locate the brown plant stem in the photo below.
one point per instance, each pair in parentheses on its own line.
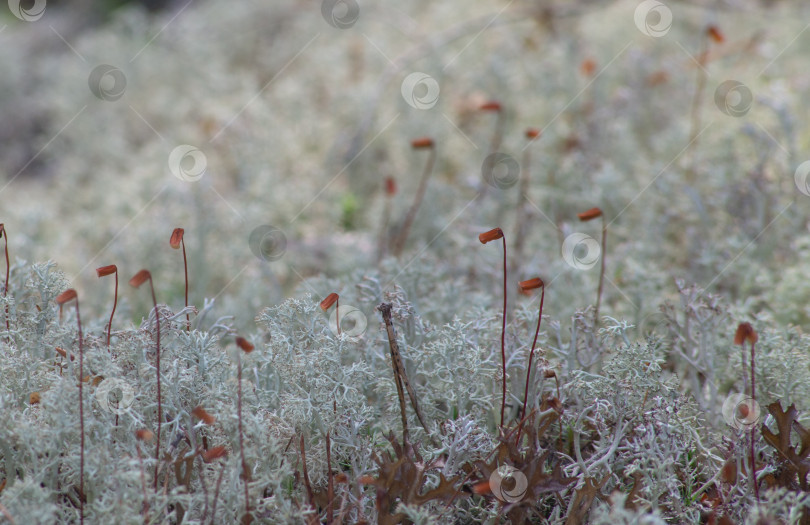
(64,297)
(493,235)
(102,272)
(330,490)
(307,484)
(383,241)
(753,427)
(216,494)
(601,273)
(521,213)
(177,240)
(145,505)
(399,372)
(503,334)
(136,281)
(4,235)
(185,272)
(531,355)
(245,473)
(402,238)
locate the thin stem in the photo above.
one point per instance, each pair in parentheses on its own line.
(399,373)
(81,414)
(531,355)
(383,242)
(753,427)
(185,270)
(497,135)
(307,484)
(115,304)
(700,85)
(330,490)
(601,273)
(503,334)
(417,202)
(216,494)
(157,365)
(337,314)
(204,487)
(241,434)
(4,234)
(145,509)
(521,215)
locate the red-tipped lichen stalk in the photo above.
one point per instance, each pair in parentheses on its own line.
(521,213)
(64,297)
(4,235)
(497,135)
(383,242)
(143,435)
(525,286)
(486,237)
(247,347)
(420,143)
(746,333)
(176,241)
(589,215)
(137,280)
(103,272)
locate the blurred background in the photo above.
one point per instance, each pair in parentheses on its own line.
(268,131)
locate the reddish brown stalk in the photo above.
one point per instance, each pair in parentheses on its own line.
(176,241)
(247,347)
(330,489)
(521,214)
(420,143)
(307,484)
(497,136)
(331,299)
(382,242)
(486,237)
(4,235)
(103,272)
(216,493)
(137,280)
(400,377)
(64,297)
(525,286)
(143,435)
(589,215)
(746,333)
